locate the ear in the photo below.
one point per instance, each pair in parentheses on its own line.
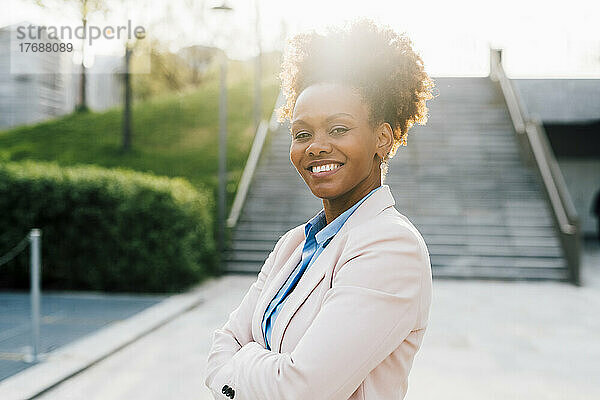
(385,139)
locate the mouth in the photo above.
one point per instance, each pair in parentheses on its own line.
(324,170)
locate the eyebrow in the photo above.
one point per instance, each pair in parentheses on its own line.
(331,117)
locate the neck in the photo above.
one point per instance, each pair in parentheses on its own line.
(335,207)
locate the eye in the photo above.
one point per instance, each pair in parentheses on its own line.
(299,134)
(340,129)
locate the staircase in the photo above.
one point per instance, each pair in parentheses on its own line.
(460,180)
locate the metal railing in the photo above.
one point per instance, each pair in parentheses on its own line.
(251,164)
(537,151)
(34,239)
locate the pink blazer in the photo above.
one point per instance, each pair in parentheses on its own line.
(350,328)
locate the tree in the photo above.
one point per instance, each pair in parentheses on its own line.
(84,9)
(126,146)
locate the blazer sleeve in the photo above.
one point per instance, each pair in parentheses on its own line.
(377,298)
(237,331)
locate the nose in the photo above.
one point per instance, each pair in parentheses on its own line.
(319,146)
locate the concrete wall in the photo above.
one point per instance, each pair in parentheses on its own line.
(561,100)
(569,101)
(583,181)
(27,98)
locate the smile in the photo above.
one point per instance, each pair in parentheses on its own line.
(324,170)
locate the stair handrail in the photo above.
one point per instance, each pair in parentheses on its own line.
(251,163)
(534,141)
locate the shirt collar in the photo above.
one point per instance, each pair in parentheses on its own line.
(318,221)
(325,231)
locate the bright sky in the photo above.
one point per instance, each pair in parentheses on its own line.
(541,40)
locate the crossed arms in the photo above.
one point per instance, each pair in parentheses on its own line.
(374,303)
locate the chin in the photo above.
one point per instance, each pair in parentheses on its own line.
(324,191)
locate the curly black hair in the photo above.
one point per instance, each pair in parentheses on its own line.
(376,60)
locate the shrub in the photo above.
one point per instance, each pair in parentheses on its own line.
(105,229)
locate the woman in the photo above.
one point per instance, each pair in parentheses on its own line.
(341,304)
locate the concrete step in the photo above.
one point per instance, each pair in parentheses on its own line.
(254,233)
(543,253)
(434,240)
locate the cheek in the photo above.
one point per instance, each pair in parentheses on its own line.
(295,154)
(361,153)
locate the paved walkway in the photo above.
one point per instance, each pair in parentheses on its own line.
(486,340)
(65,317)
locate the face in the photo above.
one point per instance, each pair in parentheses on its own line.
(330,125)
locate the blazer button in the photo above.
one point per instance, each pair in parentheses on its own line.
(225,389)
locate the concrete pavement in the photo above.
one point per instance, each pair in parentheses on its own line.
(165,364)
(64,318)
(486,340)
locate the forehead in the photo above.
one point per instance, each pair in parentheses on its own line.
(319,101)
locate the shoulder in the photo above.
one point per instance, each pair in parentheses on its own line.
(295,234)
(388,249)
(387,254)
(388,226)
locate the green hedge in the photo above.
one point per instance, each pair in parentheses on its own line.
(105,229)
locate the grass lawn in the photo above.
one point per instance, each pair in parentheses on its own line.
(173,135)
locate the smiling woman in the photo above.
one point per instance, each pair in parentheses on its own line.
(378,63)
(340,306)
(343,143)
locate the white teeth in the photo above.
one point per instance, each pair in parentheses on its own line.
(327,167)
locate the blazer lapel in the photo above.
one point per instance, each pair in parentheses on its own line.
(307,283)
(376,203)
(271,289)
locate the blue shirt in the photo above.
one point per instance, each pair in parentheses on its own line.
(318,234)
